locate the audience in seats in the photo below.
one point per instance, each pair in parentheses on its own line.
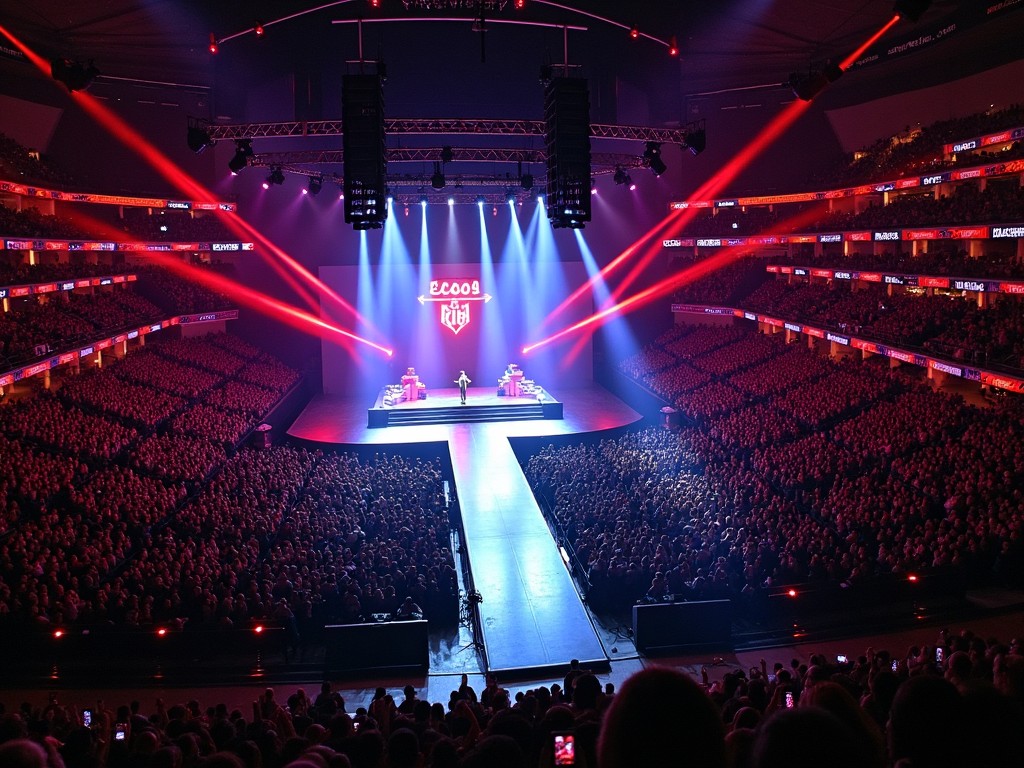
(966,710)
(839,475)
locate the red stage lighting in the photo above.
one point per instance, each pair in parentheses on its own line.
(258,629)
(634,32)
(161,632)
(673,46)
(520,4)
(375,3)
(184,182)
(213,44)
(259,30)
(58,633)
(791,592)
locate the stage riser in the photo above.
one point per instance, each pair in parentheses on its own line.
(465,414)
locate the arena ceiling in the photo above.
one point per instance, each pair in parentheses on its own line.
(723,44)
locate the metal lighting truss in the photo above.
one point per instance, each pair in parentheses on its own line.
(411,126)
(431,154)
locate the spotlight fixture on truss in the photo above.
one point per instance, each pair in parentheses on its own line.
(437,179)
(198,138)
(276,177)
(652,158)
(75,75)
(243,151)
(696,139)
(316,183)
(621,177)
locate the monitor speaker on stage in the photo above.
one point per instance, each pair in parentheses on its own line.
(363,141)
(567,143)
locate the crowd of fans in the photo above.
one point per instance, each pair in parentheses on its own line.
(821,470)
(919,151)
(130,505)
(15,271)
(58,320)
(103,461)
(19,165)
(955,700)
(175,226)
(948,324)
(1000,202)
(939,261)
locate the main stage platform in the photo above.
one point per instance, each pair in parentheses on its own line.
(531,618)
(444,406)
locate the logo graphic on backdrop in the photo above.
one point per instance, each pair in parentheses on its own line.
(455,295)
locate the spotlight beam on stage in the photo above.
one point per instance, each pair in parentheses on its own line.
(666,286)
(261,302)
(672,224)
(189,186)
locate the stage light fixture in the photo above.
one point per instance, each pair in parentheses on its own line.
(652,156)
(480,201)
(198,139)
(451,202)
(446,154)
(510,197)
(806,86)
(520,4)
(243,151)
(374,3)
(316,183)
(437,180)
(632,186)
(423,202)
(621,177)
(696,141)
(526,181)
(276,177)
(673,46)
(912,10)
(259,30)
(75,75)
(634,32)
(212,47)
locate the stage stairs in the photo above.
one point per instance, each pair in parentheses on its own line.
(462,414)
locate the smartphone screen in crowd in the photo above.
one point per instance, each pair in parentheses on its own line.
(564,747)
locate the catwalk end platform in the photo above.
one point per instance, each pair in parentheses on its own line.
(532,619)
(444,406)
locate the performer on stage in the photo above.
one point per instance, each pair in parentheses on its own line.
(463,381)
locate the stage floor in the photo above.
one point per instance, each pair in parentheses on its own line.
(341,419)
(445,398)
(531,617)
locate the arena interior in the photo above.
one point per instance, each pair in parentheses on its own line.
(511,383)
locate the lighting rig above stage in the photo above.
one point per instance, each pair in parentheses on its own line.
(411,188)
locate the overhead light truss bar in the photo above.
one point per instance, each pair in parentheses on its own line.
(412,126)
(431,154)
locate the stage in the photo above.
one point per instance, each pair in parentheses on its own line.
(444,406)
(531,617)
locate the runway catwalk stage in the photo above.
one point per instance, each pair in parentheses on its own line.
(531,616)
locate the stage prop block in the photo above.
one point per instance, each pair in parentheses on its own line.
(672,627)
(384,645)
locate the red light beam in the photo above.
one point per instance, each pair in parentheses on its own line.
(188,185)
(669,284)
